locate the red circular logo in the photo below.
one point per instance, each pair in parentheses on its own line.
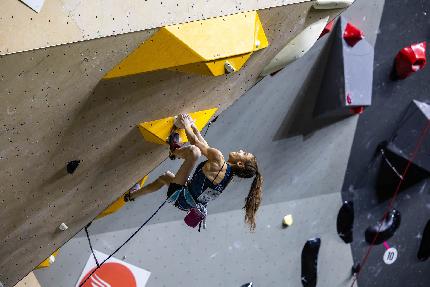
(110,275)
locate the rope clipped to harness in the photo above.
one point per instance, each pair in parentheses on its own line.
(197,214)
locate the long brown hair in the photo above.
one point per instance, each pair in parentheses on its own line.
(253,200)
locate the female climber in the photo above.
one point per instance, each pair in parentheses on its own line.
(210,178)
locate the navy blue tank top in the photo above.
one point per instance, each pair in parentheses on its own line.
(201,188)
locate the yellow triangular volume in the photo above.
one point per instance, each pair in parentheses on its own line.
(158,131)
(48,261)
(161,51)
(218,37)
(196,42)
(261,41)
(119,203)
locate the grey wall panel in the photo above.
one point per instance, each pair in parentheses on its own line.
(225,254)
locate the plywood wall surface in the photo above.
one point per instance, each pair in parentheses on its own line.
(55,108)
(68,21)
(29,281)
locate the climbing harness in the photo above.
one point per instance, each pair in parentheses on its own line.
(198,212)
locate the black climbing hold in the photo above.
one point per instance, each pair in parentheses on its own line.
(389,175)
(345,221)
(72,166)
(424,251)
(386,228)
(310,262)
(396,154)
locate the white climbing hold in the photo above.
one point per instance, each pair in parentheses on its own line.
(288,220)
(63,227)
(297,47)
(332,4)
(229,67)
(51,259)
(36,5)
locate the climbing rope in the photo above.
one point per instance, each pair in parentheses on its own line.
(91,247)
(209,125)
(121,246)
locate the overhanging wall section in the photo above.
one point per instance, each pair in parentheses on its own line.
(56,109)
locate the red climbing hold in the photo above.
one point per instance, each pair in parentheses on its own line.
(352,34)
(357,110)
(327,28)
(410,59)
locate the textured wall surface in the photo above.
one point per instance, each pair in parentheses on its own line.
(68,21)
(303,176)
(56,109)
(403,23)
(28,281)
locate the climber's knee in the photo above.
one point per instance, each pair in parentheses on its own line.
(167,177)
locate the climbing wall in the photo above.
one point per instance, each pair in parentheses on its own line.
(402,24)
(68,21)
(57,109)
(303,177)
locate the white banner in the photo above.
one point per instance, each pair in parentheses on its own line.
(114,273)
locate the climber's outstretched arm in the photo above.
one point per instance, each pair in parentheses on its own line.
(195,138)
(198,134)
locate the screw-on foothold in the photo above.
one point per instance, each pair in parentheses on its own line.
(229,67)
(288,220)
(257,43)
(63,227)
(124,257)
(51,259)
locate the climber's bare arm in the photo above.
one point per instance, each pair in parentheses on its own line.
(195,138)
(198,134)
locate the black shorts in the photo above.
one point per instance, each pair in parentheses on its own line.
(180,203)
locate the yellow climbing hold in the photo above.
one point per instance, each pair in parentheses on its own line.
(48,261)
(158,131)
(119,203)
(200,46)
(288,220)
